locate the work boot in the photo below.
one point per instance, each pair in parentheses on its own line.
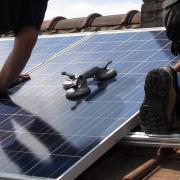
(158,108)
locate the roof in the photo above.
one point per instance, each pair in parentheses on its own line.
(93,22)
(133,162)
(150,16)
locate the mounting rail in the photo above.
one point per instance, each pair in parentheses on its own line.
(151,140)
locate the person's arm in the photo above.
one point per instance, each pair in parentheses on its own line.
(23,45)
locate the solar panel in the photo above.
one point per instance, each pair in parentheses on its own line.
(45,48)
(45,135)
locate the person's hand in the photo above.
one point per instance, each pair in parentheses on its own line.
(20,79)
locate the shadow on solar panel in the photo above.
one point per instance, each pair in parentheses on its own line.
(26,154)
(96,92)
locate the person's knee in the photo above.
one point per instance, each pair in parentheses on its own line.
(177,66)
(27,38)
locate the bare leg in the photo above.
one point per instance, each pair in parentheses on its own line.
(177,67)
(23,45)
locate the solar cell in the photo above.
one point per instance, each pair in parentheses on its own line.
(45,135)
(46,47)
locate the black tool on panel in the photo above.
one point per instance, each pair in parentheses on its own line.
(77,87)
(104,73)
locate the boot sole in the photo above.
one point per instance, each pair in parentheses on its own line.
(159,102)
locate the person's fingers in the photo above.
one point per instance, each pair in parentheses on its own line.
(24,76)
(21,78)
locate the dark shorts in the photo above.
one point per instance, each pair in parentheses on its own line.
(16,14)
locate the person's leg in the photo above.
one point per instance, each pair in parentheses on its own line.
(23,45)
(177,67)
(158,108)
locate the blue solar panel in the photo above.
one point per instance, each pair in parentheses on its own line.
(45,48)
(45,135)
